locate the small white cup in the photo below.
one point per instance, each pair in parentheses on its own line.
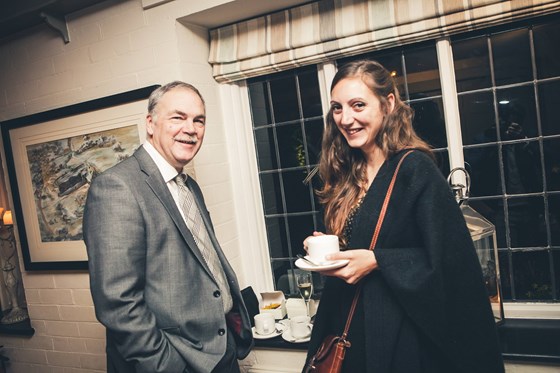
(265,323)
(320,246)
(300,327)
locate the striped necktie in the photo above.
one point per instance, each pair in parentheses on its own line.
(200,234)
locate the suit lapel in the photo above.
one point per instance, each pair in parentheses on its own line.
(157,184)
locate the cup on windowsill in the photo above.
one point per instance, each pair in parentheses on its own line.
(300,327)
(265,323)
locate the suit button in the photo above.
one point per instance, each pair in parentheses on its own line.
(221,332)
(217,294)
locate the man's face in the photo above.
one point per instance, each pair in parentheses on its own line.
(176,129)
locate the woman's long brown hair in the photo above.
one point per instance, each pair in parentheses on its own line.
(342,168)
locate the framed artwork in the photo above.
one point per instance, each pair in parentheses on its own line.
(52,157)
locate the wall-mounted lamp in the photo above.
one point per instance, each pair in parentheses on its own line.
(11,276)
(7,217)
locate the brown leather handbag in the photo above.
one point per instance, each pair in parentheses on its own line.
(330,355)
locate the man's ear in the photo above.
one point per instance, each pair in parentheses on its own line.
(150,124)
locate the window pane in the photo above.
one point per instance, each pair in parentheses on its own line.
(442,161)
(493,210)
(484,170)
(526,222)
(392,61)
(298,195)
(505,279)
(531,272)
(266,151)
(478,124)
(310,100)
(546,40)
(272,198)
(549,102)
(472,64)
(283,276)
(300,228)
(422,72)
(313,138)
(512,57)
(517,105)
(522,168)
(290,145)
(556,256)
(284,98)
(277,237)
(554,219)
(552,163)
(429,123)
(260,108)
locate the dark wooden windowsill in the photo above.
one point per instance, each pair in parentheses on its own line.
(21,328)
(529,340)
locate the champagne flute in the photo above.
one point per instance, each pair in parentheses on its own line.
(305,286)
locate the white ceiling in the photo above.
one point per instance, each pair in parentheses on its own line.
(238,10)
(20,15)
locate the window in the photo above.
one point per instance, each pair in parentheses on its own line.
(287,128)
(507,83)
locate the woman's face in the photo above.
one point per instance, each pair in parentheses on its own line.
(358,112)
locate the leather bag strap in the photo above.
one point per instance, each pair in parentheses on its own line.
(374,242)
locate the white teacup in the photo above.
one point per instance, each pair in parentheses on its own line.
(320,246)
(265,323)
(300,327)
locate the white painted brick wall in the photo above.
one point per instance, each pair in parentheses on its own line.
(114,48)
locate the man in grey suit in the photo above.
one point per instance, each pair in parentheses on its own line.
(160,282)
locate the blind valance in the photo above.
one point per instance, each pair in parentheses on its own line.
(330,29)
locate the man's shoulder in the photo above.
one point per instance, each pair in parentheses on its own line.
(130,165)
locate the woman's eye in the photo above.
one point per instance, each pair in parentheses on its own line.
(336,109)
(359,105)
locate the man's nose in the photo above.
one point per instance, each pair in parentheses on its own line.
(188,126)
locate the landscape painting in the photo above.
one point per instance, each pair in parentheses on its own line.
(61,172)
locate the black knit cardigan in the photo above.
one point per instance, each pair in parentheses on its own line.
(428,272)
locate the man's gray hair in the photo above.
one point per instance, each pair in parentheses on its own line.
(158,93)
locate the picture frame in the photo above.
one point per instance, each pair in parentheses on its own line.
(51,157)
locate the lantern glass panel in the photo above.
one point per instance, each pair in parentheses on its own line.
(483,234)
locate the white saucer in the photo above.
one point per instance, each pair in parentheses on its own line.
(279,329)
(302,264)
(287,336)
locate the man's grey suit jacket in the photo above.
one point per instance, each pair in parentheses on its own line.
(150,284)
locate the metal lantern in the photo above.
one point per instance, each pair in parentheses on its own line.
(483,234)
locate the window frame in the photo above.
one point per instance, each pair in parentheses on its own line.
(246,186)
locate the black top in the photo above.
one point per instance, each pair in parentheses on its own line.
(426,308)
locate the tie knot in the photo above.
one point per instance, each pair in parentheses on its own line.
(181,179)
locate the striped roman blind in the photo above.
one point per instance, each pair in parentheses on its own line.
(329,29)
